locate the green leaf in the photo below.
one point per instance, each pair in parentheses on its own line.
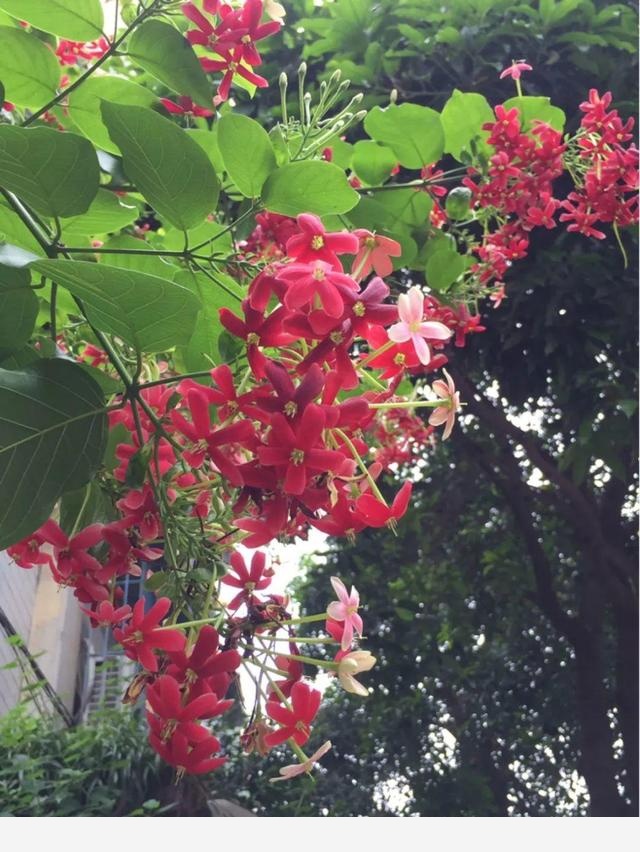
(55,173)
(13,230)
(171,170)
(162,51)
(372,162)
(448,35)
(247,152)
(107,213)
(53,431)
(18,309)
(462,119)
(84,506)
(147,262)
(150,313)
(413,132)
(443,268)
(208,141)
(309,187)
(78,20)
(537,109)
(203,347)
(84,106)
(406,207)
(28,68)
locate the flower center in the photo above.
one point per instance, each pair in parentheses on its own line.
(297,457)
(318,274)
(291,408)
(317,243)
(359,309)
(253,339)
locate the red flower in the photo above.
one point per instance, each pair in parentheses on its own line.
(139,508)
(104,615)
(71,553)
(315,281)
(312,242)
(248,581)
(185,106)
(175,713)
(143,634)
(296,721)
(295,451)
(376,514)
(194,758)
(206,668)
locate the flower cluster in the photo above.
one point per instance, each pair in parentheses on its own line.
(607,186)
(231,35)
(69,52)
(248,456)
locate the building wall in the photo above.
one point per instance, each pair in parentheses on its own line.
(49,620)
(18,588)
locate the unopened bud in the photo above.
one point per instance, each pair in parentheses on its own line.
(393,97)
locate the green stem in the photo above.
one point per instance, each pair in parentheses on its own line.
(431,403)
(323,664)
(361,465)
(198,374)
(372,355)
(226,230)
(616,231)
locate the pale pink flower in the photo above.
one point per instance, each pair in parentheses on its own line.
(352,664)
(446,413)
(375,253)
(288,772)
(275,11)
(515,70)
(411,326)
(345,609)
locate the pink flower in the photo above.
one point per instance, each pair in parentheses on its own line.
(515,70)
(411,327)
(288,772)
(375,253)
(445,413)
(345,609)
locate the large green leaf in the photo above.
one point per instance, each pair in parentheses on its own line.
(108,213)
(79,20)
(18,309)
(462,119)
(162,51)
(84,106)
(202,347)
(247,152)
(537,109)
(52,437)
(443,268)
(13,230)
(414,133)
(171,170)
(148,312)
(372,162)
(55,173)
(29,70)
(147,262)
(308,187)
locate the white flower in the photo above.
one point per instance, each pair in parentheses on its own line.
(351,664)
